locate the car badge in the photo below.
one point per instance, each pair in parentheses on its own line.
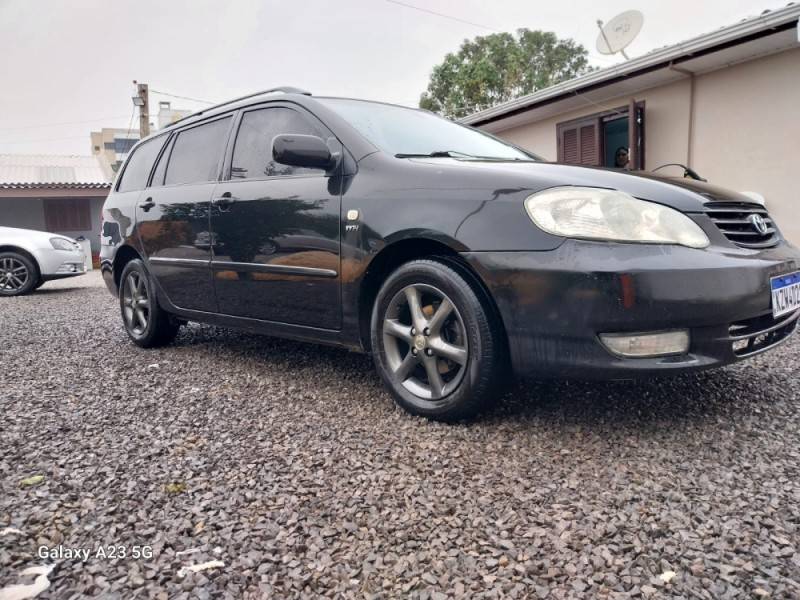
(759,223)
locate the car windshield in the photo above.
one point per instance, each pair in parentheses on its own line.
(407,132)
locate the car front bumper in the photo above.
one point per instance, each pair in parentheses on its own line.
(555,304)
(54,264)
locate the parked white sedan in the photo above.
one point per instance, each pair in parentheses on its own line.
(28,258)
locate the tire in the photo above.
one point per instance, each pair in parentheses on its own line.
(452,369)
(146,323)
(18,274)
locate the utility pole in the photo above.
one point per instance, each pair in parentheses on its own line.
(144,109)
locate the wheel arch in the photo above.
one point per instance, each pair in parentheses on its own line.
(27,254)
(404,250)
(122,257)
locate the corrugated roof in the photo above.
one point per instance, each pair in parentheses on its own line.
(51,171)
(767,20)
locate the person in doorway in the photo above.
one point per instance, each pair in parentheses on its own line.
(621,157)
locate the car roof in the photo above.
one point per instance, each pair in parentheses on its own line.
(287,93)
(353,140)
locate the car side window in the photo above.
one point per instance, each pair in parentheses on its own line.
(134,176)
(196,153)
(252,152)
(161,165)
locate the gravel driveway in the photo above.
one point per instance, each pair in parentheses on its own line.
(289,464)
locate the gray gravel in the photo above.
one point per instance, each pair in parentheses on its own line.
(290,464)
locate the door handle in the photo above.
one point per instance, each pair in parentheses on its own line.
(224,201)
(147,204)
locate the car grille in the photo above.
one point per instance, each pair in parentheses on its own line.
(756,335)
(736,221)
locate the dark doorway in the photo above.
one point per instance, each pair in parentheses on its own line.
(615,136)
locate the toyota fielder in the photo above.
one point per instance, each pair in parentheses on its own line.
(449,255)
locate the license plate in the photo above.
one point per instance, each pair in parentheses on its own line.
(785,294)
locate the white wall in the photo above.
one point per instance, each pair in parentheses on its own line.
(747,132)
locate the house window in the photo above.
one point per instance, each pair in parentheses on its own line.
(579,143)
(596,140)
(124,145)
(67,214)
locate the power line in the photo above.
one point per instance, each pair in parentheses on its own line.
(444,16)
(486,27)
(130,123)
(60,124)
(73,137)
(181,97)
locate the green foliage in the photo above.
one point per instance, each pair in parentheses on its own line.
(499,67)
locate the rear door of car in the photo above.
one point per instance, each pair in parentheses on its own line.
(119,210)
(276,227)
(173,214)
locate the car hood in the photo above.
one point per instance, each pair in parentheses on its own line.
(686,195)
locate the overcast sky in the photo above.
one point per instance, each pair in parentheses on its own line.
(67,66)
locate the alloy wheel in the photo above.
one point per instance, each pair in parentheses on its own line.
(136,303)
(425,342)
(13,274)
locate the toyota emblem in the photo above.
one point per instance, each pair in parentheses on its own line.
(759,223)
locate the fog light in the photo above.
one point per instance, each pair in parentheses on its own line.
(647,345)
(740,345)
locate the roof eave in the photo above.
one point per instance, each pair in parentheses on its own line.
(673,53)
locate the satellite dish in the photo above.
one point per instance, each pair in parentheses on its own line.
(619,32)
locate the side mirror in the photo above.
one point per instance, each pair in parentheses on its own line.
(302,151)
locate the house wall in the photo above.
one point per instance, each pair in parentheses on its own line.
(24,213)
(28,213)
(746,130)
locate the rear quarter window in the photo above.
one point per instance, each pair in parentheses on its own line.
(134,176)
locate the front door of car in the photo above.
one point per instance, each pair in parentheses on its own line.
(173,214)
(276,227)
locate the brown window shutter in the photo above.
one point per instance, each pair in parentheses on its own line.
(569,146)
(590,152)
(50,215)
(579,142)
(67,214)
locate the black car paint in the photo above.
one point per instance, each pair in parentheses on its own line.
(554,295)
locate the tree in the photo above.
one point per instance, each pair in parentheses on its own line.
(499,67)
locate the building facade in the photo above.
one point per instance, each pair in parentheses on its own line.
(59,194)
(726,104)
(168,115)
(111,146)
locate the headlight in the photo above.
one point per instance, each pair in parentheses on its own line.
(62,244)
(598,214)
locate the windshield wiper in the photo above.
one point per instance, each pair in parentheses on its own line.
(456,154)
(505,158)
(435,154)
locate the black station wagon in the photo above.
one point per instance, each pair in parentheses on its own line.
(454,258)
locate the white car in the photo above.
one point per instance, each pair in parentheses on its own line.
(28,258)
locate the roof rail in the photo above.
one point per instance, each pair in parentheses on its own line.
(285,89)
